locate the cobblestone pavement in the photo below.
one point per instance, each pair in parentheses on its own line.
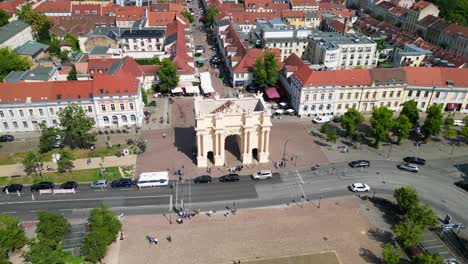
(159,113)
(338,225)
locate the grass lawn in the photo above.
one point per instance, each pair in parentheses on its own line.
(89,175)
(101,151)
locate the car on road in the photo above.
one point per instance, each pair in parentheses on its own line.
(359,187)
(262,175)
(15,187)
(6,138)
(415,160)
(408,167)
(203,179)
(360,163)
(99,184)
(322,119)
(230,178)
(124,182)
(462,184)
(69,185)
(42,186)
(152,104)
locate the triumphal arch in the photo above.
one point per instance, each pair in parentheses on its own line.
(245,117)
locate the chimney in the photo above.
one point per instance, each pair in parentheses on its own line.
(345,26)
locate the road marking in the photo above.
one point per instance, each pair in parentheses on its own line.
(87,199)
(12,212)
(439,246)
(300,177)
(447,201)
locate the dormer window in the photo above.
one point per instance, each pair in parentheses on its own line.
(101,91)
(59,97)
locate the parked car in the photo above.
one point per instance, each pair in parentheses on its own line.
(359,187)
(203,179)
(462,184)
(69,185)
(152,104)
(42,186)
(359,163)
(262,175)
(6,138)
(322,119)
(124,182)
(58,141)
(408,167)
(15,187)
(230,178)
(458,122)
(99,184)
(415,160)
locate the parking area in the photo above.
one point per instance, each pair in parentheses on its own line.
(433,245)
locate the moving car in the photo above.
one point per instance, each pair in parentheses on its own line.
(230,178)
(6,138)
(203,179)
(323,119)
(124,182)
(415,160)
(99,184)
(41,186)
(462,184)
(262,175)
(408,167)
(359,187)
(69,185)
(15,187)
(359,163)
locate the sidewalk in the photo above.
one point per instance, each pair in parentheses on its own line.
(80,164)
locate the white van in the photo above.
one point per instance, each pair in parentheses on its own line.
(153,179)
(323,119)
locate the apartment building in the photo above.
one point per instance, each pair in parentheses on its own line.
(142,43)
(342,51)
(418,11)
(305,5)
(455,36)
(15,34)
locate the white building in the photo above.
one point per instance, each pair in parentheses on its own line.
(142,43)
(15,34)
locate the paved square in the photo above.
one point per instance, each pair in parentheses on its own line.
(339,226)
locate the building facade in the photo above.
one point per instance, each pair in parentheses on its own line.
(15,34)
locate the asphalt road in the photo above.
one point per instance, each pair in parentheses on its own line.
(434,183)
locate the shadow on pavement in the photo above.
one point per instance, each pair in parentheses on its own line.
(389,210)
(184,140)
(380,235)
(368,256)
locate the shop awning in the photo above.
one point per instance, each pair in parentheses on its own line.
(205,83)
(272,93)
(452,106)
(177,90)
(279,111)
(200,59)
(192,89)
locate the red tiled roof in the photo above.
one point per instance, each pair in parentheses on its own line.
(99,64)
(149,70)
(248,60)
(79,25)
(418,6)
(244,17)
(454,29)
(279,6)
(255,4)
(58,7)
(180,57)
(129,13)
(436,76)
(399,11)
(176,7)
(8,8)
(86,9)
(160,18)
(118,84)
(292,14)
(303,3)
(337,25)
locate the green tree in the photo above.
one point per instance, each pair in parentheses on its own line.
(72,74)
(423,215)
(271,67)
(54,45)
(12,235)
(3,18)
(45,252)
(211,13)
(4,257)
(331,135)
(465,120)
(407,198)
(48,138)
(74,41)
(76,126)
(188,15)
(428,259)
(379,17)
(32,161)
(10,61)
(325,128)
(52,226)
(350,121)
(391,254)
(39,22)
(381,122)
(260,73)
(168,77)
(144,96)
(154,61)
(401,127)
(433,123)
(409,233)
(65,163)
(450,131)
(93,247)
(410,109)
(464,132)
(23,11)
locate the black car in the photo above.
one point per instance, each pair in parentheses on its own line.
(415,160)
(6,138)
(42,186)
(359,163)
(124,182)
(230,178)
(69,185)
(152,103)
(462,184)
(15,187)
(203,179)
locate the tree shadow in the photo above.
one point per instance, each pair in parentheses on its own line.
(380,235)
(463,168)
(320,143)
(369,257)
(184,141)
(389,210)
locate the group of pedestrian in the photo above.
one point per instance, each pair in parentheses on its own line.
(154,239)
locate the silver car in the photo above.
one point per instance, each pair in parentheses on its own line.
(99,184)
(262,175)
(408,167)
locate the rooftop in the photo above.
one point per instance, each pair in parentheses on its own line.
(11,29)
(39,73)
(31,48)
(143,33)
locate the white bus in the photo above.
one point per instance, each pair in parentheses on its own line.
(153,179)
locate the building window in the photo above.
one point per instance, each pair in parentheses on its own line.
(381,104)
(341,96)
(314,97)
(112,107)
(51,110)
(423,104)
(338,107)
(346,106)
(41,112)
(348,96)
(391,94)
(410,93)
(367,95)
(31,112)
(115,120)
(312,108)
(426,94)
(374,95)
(90,109)
(437,95)
(1,114)
(5,125)
(330,96)
(364,106)
(15,124)
(389,104)
(356,95)
(122,107)
(103,108)
(131,106)
(21,113)
(328,106)
(106,119)
(354,105)
(322,97)
(305,108)
(54,121)
(418,93)
(395,104)
(398,94)
(11,113)
(133,118)
(25,124)
(320,107)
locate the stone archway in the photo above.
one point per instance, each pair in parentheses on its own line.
(247,119)
(232,149)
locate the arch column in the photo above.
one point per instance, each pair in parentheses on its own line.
(219,149)
(247,157)
(264,146)
(202,159)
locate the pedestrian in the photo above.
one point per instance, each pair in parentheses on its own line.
(169,238)
(164,135)
(121,236)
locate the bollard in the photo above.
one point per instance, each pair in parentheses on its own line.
(19,195)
